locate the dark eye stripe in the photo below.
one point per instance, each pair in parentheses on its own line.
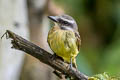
(64,22)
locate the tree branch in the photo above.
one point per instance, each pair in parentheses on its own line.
(21,44)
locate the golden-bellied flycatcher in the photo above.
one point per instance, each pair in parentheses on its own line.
(64,39)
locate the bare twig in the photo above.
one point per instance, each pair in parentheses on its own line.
(22,44)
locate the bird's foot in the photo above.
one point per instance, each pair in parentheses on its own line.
(55,57)
(70,66)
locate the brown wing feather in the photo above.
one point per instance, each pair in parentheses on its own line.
(78,40)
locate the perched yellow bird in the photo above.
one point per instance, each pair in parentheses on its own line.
(64,39)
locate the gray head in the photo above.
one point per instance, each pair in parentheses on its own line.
(65,22)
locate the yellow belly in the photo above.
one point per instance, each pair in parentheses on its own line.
(63,43)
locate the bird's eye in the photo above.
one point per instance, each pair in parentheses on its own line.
(65,22)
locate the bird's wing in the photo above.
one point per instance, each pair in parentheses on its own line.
(78,42)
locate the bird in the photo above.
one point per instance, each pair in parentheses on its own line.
(64,39)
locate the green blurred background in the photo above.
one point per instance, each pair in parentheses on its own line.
(99,27)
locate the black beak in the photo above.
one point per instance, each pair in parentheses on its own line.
(53,18)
